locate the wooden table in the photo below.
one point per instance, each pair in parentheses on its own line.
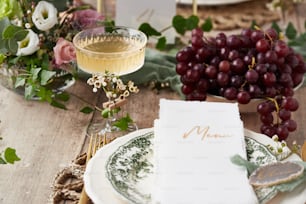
(47,138)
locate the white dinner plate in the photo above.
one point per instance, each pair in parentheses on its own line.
(122,171)
(211,2)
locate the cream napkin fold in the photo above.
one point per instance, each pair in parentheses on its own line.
(193,145)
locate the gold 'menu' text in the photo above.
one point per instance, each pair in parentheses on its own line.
(203,132)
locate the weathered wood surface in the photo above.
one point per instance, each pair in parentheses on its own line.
(47,138)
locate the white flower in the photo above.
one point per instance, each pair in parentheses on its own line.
(27,25)
(126,93)
(90,81)
(44,16)
(28,45)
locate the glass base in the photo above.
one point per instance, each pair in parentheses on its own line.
(109,128)
(106,128)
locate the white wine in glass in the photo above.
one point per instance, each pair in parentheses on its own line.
(118,50)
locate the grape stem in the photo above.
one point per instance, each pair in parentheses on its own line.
(251,66)
(276,106)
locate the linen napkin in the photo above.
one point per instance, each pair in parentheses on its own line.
(193,145)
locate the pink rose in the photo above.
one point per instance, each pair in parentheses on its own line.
(87,18)
(64,52)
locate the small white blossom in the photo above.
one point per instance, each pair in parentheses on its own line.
(126,93)
(112,85)
(130,83)
(98,84)
(121,87)
(275,138)
(133,89)
(109,94)
(28,45)
(27,26)
(44,16)
(104,84)
(90,81)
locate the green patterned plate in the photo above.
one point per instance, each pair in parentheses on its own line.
(122,171)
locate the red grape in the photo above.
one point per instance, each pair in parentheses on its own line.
(243,97)
(253,64)
(262,45)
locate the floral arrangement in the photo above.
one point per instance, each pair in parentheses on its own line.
(36,45)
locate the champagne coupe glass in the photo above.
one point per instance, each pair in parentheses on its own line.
(117,50)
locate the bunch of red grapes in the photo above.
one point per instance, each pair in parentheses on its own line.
(251,65)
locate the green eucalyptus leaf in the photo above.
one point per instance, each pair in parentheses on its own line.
(207,25)
(45,62)
(291,31)
(10,31)
(34,73)
(179,24)
(3,49)
(20,81)
(4,23)
(46,76)
(2,161)
(12,45)
(20,35)
(149,30)
(238,160)
(62,96)
(58,105)
(161,43)
(14,60)
(192,22)
(10,155)
(87,110)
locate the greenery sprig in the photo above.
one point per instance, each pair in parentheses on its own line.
(180,24)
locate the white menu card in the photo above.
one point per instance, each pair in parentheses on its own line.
(194,142)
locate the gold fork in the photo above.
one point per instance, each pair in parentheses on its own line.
(96,141)
(303,151)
